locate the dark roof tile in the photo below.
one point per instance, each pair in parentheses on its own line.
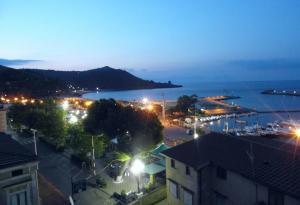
(12,153)
(276,165)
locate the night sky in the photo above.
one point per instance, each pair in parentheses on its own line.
(157,39)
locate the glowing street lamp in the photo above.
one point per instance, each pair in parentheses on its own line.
(73,119)
(150,107)
(145,101)
(297,132)
(65,105)
(137,168)
(196,135)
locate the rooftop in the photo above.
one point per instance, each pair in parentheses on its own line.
(276,165)
(12,153)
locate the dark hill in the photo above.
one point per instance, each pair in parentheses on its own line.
(48,81)
(24,82)
(103,78)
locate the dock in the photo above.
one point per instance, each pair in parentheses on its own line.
(281,92)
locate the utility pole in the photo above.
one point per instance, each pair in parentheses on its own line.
(226,127)
(93,157)
(34,131)
(164,107)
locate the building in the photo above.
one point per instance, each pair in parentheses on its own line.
(3,123)
(218,169)
(18,174)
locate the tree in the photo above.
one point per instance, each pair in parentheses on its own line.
(135,129)
(185,102)
(81,142)
(48,118)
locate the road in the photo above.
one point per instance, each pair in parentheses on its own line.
(58,169)
(55,166)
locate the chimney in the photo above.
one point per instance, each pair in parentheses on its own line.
(3,122)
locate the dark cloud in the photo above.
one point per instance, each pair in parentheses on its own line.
(8,62)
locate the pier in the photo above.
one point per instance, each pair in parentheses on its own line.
(281,92)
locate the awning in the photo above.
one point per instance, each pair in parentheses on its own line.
(153,168)
(157,151)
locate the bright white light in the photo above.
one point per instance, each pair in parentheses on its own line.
(77,112)
(145,100)
(84,116)
(137,167)
(297,132)
(196,135)
(73,119)
(65,105)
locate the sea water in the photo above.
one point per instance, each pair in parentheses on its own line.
(249,93)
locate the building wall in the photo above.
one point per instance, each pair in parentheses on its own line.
(244,191)
(178,174)
(27,182)
(235,188)
(3,123)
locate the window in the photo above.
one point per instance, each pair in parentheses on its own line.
(220,199)
(187,197)
(17,172)
(173,163)
(221,173)
(276,198)
(174,189)
(18,198)
(187,170)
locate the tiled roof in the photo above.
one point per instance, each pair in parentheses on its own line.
(12,153)
(276,165)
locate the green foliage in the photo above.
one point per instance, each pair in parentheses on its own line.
(48,118)
(185,102)
(135,129)
(81,142)
(122,157)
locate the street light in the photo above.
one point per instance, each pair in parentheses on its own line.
(145,101)
(196,135)
(136,168)
(297,132)
(73,119)
(34,131)
(65,105)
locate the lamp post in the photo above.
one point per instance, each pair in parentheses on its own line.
(136,168)
(34,140)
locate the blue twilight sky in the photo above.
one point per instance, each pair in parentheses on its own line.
(155,39)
